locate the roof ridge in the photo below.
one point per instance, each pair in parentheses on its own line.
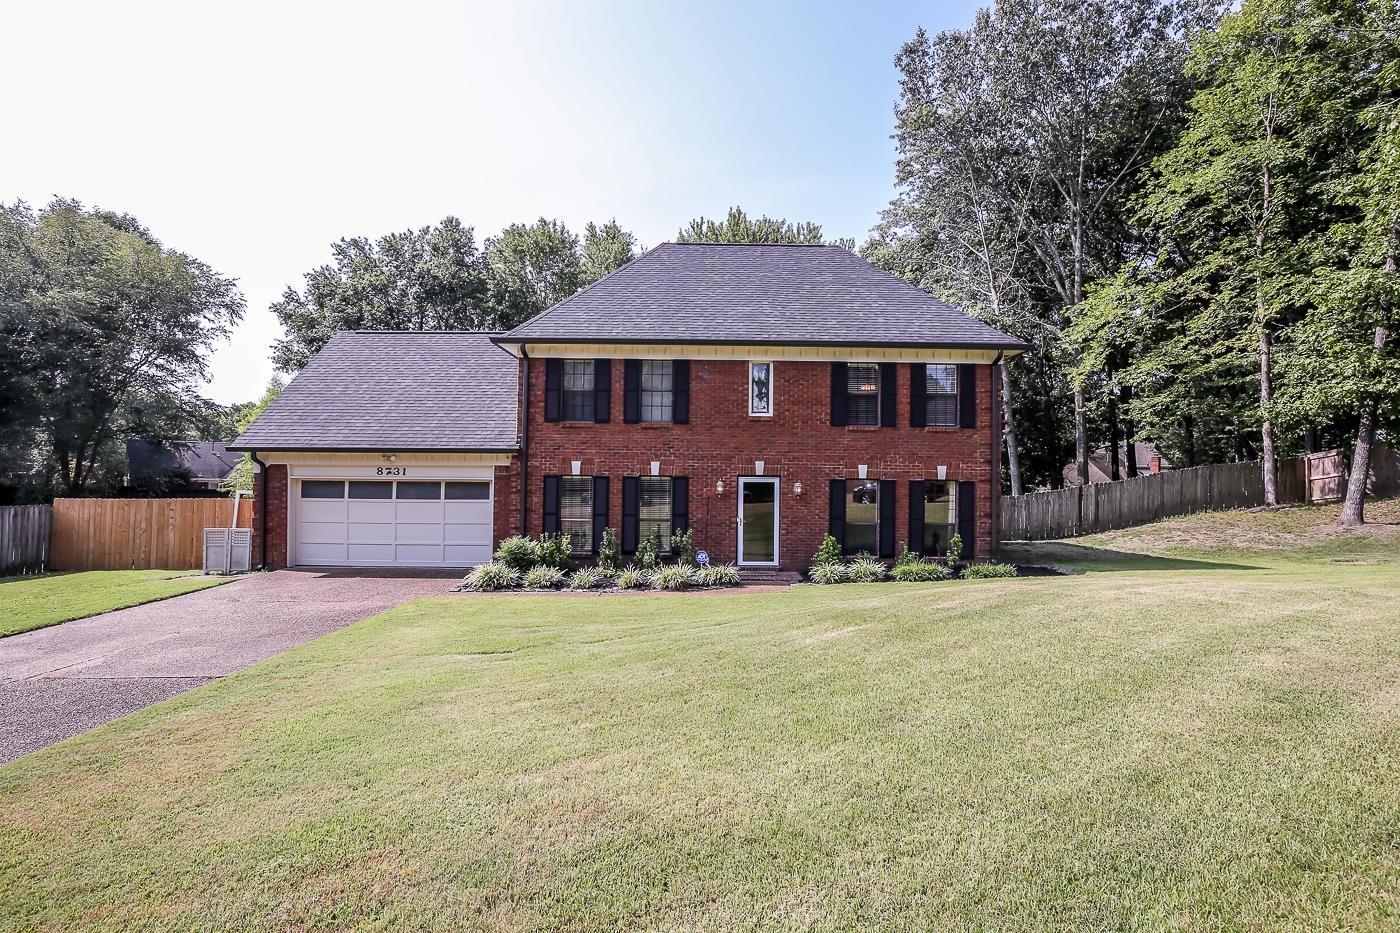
(557,305)
(409,333)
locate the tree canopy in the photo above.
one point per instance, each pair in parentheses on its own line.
(737,227)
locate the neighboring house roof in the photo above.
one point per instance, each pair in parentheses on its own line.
(203,460)
(740,293)
(396,391)
(1101,469)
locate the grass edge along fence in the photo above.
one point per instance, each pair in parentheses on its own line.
(1096,507)
(24,538)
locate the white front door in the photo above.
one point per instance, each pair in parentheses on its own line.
(758,521)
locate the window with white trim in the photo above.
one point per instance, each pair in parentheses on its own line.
(862,516)
(941,395)
(658,390)
(940,515)
(761,389)
(863,393)
(578,390)
(576,512)
(654,511)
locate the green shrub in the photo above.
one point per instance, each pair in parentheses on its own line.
(907,556)
(988,571)
(828,553)
(554,551)
(718,575)
(587,578)
(633,579)
(673,577)
(518,553)
(609,552)
(920,572)
(866,569)
(683,547)
(955,548)
(828,573)
(492,576)
(543,578)
(647,556)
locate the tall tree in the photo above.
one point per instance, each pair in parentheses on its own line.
(606,247)
(108,323)
(432,278)
(242,476)
(738,227)
(532,267)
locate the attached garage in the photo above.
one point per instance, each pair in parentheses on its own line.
(388,450)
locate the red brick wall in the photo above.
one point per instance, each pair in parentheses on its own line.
(272,484)
(505,508)
(797,443)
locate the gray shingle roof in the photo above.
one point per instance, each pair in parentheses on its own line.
(757,293)
(399,391)
(203,459)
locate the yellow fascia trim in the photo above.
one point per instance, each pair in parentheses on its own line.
(765,352)
(376,458)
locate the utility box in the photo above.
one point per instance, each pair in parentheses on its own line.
(216,550)
(228,550)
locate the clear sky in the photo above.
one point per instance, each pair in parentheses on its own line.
(252,135)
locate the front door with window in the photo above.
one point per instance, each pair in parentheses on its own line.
(758,521)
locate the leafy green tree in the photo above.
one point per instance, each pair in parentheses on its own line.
(737,227)
(531,268)
(105,324)
(606,248)
(432,278)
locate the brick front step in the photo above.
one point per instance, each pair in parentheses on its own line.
(762,577)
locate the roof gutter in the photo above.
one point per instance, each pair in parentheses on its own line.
(1012,346)
(262,510)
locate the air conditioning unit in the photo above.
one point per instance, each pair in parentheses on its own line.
(228,550)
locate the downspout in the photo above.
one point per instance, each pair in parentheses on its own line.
(524,439)
(994,552)
(262,510)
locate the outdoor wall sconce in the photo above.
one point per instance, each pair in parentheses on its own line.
(719,487)
(390,458)
(943,472)
(797,489)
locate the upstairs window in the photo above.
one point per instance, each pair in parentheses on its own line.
(941,395)
(658,390)
(578,390)
(576,511)
(863,393)
(862,516)
(761,389)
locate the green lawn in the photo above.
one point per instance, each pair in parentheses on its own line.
(27,603)
(1195,737)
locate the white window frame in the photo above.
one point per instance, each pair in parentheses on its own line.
(748,375)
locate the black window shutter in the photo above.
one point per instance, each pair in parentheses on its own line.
(838,394)
(553,384)
(680,503)
(967,395)
(629,514)
(967,518)
(918,395)
(916,515)
(602,391)
(600,509)
(631,391)
(887,487)
(836,525)
(889,380)
(551,505)
(680,392)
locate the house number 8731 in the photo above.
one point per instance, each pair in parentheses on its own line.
(390,471)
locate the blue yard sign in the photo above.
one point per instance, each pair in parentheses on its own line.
(702,557)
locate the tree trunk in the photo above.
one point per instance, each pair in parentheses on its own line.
(1129,434)
(1354,506)
(1008,431)
(1115,466)
(1266,397)
(1081,437)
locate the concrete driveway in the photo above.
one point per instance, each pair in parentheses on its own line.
(65,679)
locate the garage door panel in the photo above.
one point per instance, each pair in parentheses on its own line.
(373,553)
(476,513)
(371,533)
(322,533)
(464,554)
(420,533)
(311,553)
(322,510)
(367,510)
(418,554)
(418,511)
(461,533)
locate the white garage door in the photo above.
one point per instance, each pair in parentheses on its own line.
(417,523)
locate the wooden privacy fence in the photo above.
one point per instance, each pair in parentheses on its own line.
(1085,510)
(138,534)
(24,538)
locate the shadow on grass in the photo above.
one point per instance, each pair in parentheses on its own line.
(1080,557)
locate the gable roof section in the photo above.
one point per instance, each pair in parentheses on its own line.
(739,293)
(203,459)
(395,391)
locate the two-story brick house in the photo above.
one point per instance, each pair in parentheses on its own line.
(759,395)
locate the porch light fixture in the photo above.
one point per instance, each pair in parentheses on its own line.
(943,472)
(390,458)
(797,489)
(861,471)
(719,487)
